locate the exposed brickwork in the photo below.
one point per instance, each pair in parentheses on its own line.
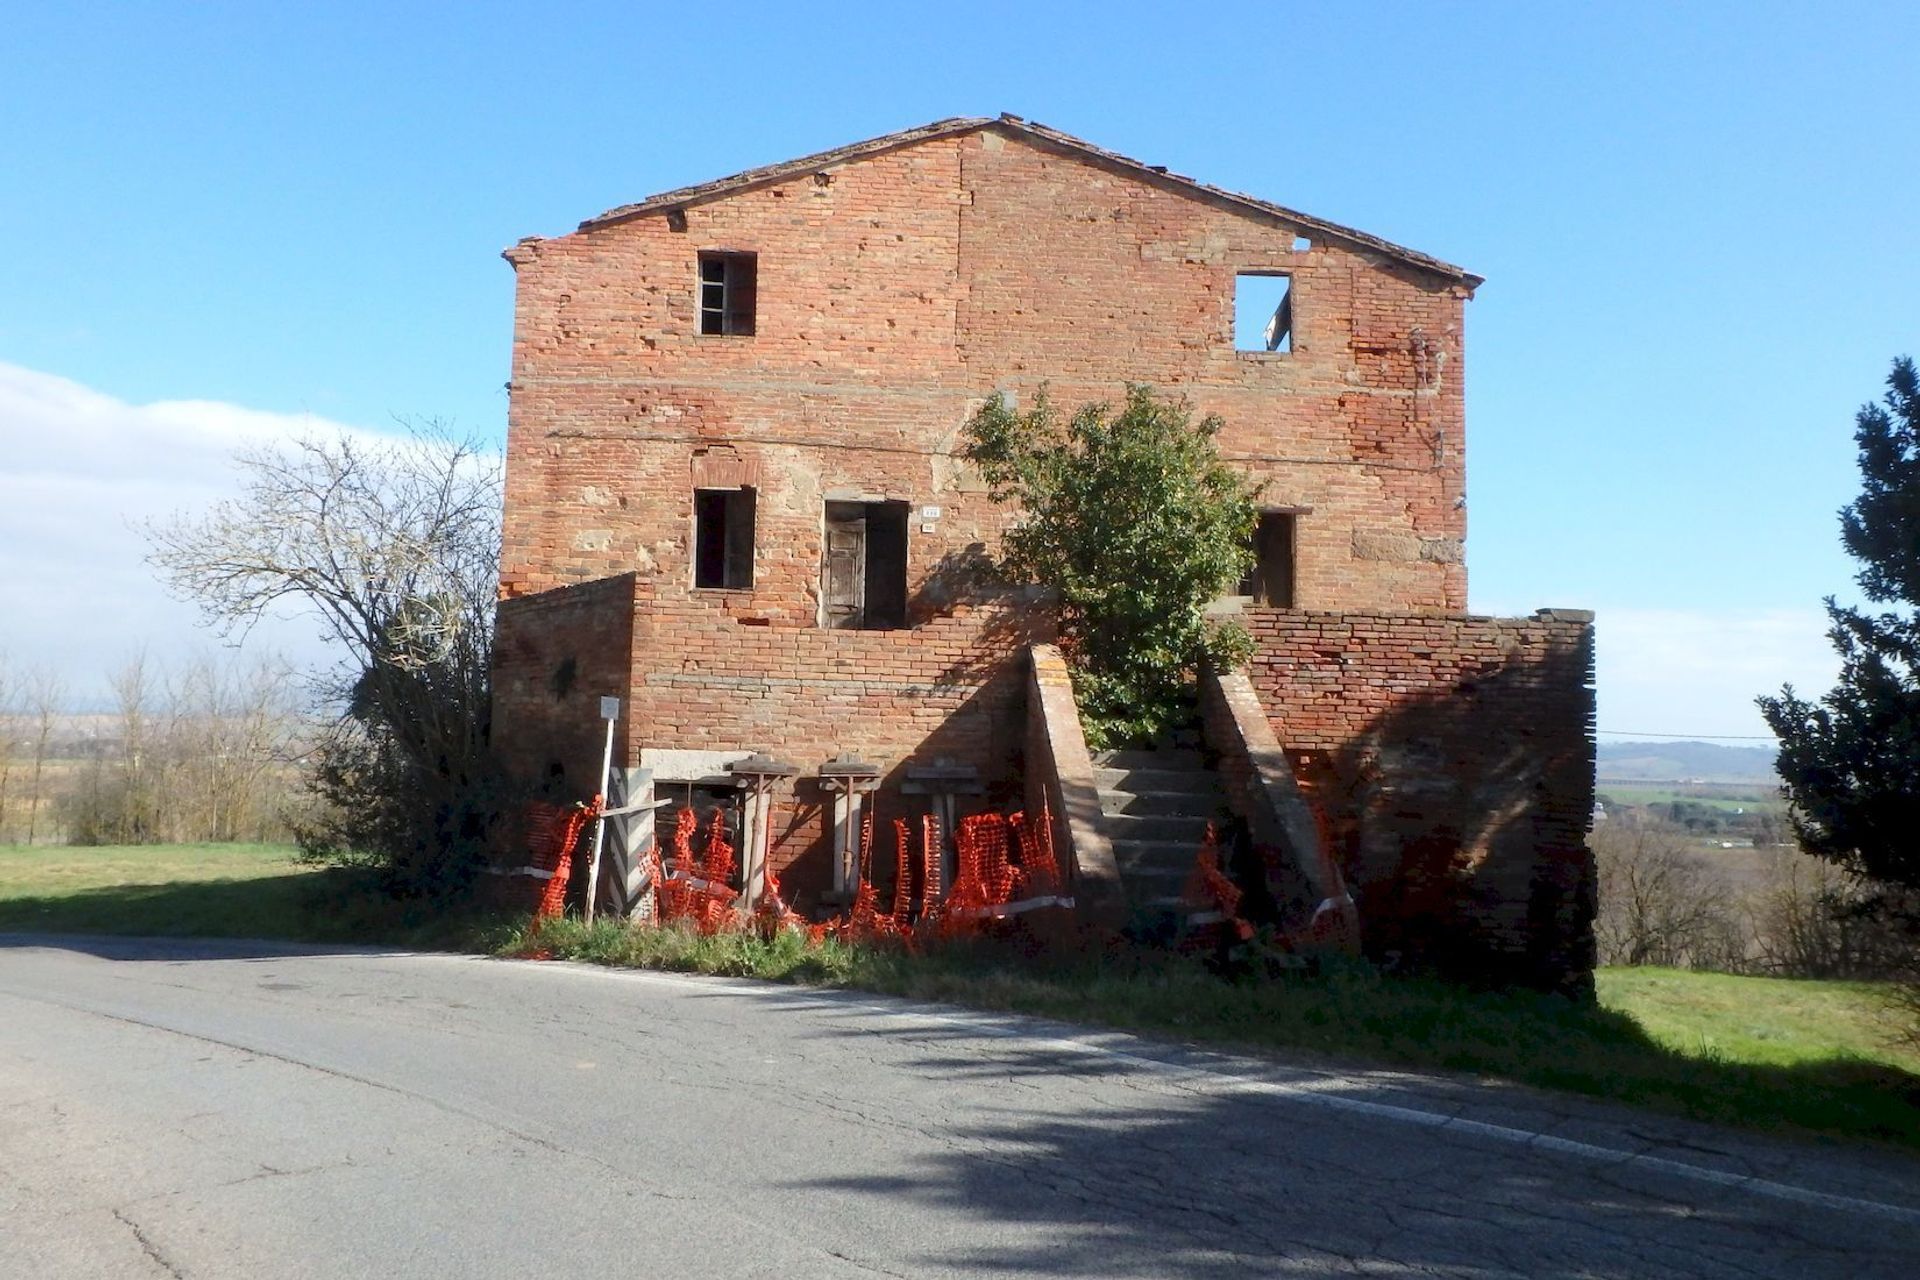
(554,655)
(894,294)
(692,675)
(1300,875)
(1454,759)
(897,286)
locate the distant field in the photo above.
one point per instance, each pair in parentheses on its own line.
(1727,799)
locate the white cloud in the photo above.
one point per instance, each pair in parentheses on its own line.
(79,473)
(1685,673)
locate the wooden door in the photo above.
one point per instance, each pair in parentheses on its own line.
(844,583)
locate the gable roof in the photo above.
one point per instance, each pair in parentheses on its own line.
(1014,126)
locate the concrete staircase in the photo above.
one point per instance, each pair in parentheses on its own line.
(1155,806)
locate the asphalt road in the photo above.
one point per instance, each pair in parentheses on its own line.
(223,1109)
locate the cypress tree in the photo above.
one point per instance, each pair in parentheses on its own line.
(1850,762)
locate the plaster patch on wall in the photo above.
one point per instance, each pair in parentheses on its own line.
(1369,544)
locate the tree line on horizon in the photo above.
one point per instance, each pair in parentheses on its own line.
(209,751)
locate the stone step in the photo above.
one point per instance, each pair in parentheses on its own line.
(1157,781)
(1202,804)
(1155,888)
(1132,828)
(1167,758)
(1170,878)
(1169,857)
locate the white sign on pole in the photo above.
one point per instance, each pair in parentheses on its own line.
(610,712)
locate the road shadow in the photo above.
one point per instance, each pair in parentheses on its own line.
(338,909)
(1210,1180)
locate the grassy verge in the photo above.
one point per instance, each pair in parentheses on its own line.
(216,891)
(1764,1021)
(1793,1056)
(1765,1053)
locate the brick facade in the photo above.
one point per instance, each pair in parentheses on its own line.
(1451,759)
(895,292)
(898,284)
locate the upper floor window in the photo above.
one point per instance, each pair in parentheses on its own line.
(1262,312)
(723,538)
(1270,580)
(864,580)
(727,293)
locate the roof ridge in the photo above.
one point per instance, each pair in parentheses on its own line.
(679,197)
(765,173)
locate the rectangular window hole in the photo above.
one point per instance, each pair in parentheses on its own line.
(1262,312)
(728,293)
(1270,581)
(864,578)
(723,538)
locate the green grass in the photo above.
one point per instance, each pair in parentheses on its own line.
(1726,801)
(1765,1053)
(214,891)
(1766,1021)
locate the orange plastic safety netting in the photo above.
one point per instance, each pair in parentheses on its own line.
(1211,896)
(697,891)
(1004,867)
(552,831)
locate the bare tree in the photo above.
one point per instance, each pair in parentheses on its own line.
(393,545)
(1812,919)
(46,698)
(8,710)
(235,733)
(1660,903)
(204,754)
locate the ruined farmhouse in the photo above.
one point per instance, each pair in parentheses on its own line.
(733,502)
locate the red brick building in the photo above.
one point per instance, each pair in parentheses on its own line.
(732,498)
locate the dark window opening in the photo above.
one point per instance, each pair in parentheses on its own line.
(864,580)
(723,538)
(1270,580)
(1263,313)
(727,293)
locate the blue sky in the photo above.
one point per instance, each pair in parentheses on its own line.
(1698,227)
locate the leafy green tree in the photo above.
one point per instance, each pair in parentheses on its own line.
(1137,523)
(1851,760)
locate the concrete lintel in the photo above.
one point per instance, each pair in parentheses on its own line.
(671,764)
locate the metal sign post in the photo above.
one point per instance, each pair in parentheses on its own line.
(610,712)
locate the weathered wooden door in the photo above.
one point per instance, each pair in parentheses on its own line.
(844,584)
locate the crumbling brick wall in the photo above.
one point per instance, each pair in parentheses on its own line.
(952,689)
(894,292)
(554,656)
(1452,760)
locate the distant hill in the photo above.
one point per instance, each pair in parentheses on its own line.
(1682,761)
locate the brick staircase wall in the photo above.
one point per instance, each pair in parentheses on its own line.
(1452,761)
